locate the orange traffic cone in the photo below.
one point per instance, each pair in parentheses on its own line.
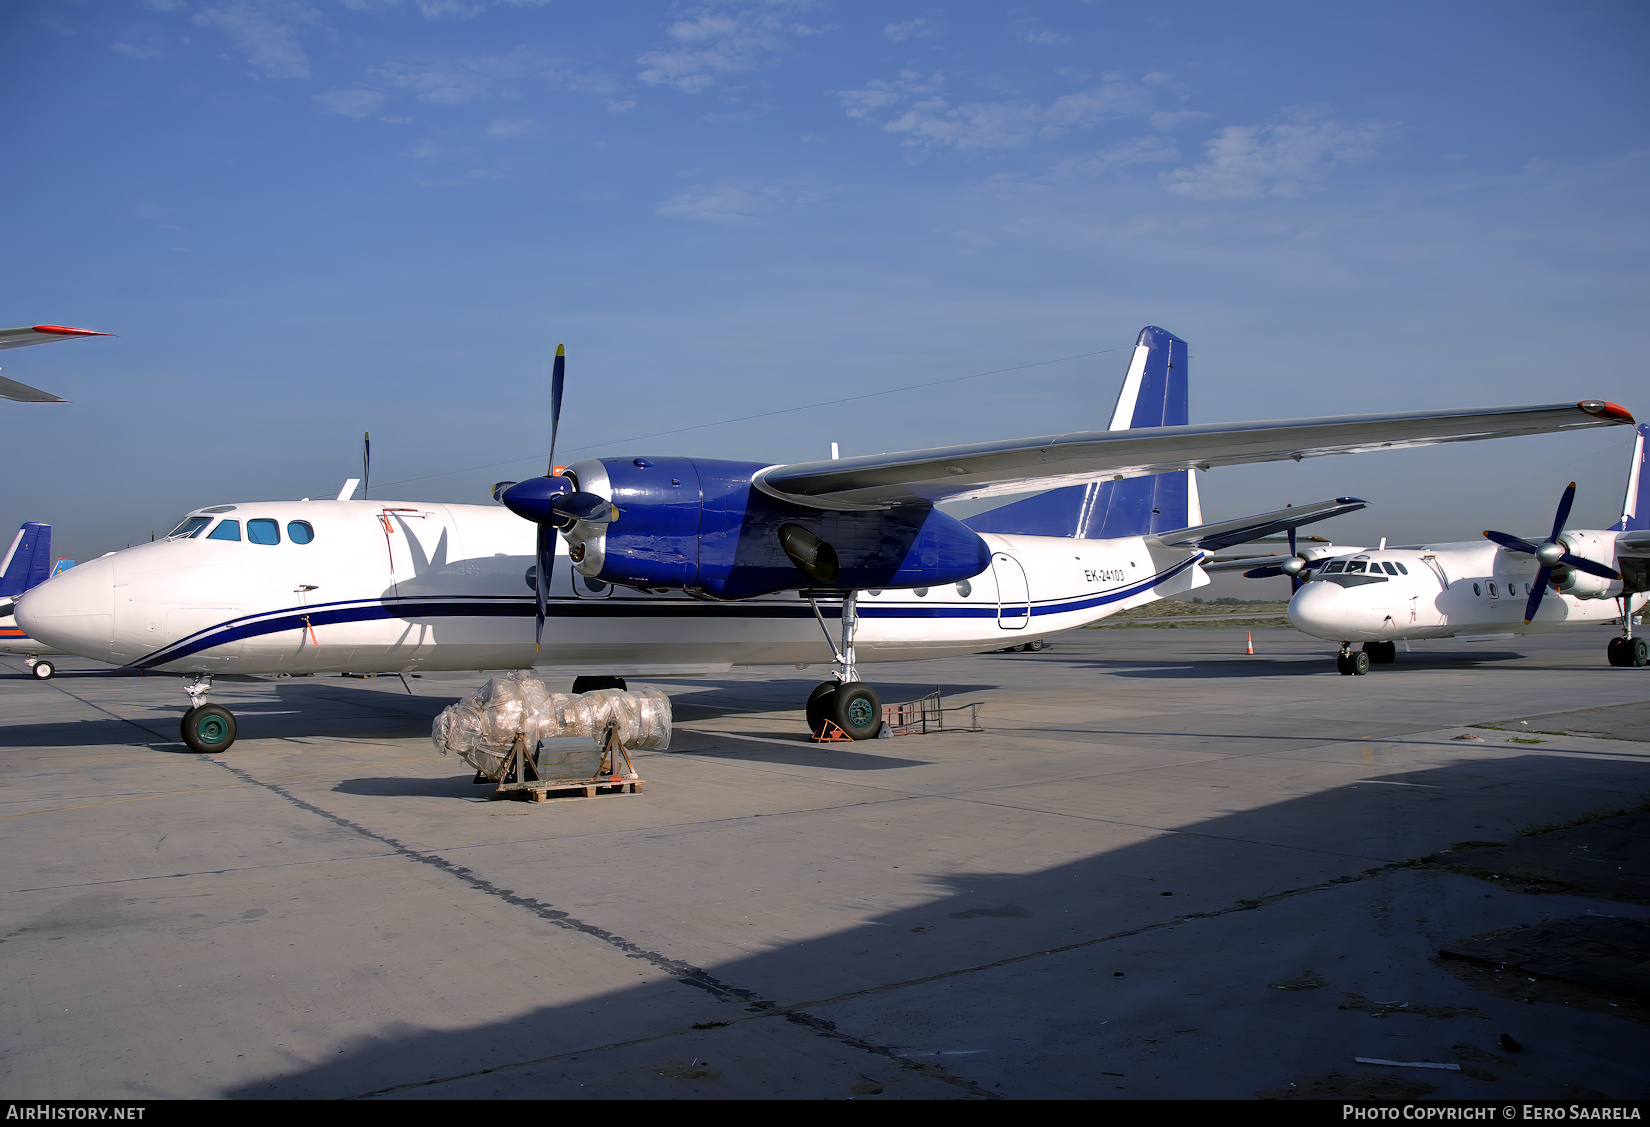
(1250,648)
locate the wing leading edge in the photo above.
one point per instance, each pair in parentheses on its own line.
(989,469)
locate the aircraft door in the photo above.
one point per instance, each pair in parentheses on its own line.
(1013,595)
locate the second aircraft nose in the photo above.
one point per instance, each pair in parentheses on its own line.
(74,612)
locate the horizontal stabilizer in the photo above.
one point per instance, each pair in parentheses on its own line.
(1223,534)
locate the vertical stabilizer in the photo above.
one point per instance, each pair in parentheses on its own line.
(1154,394)
(28,561)
(1635,507)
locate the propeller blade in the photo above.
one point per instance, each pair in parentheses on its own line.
(1295,581)
(1565,500)
(1589,567)
(1263,572)
(547,560)
(1511,542)
(558,376)
(1537,590)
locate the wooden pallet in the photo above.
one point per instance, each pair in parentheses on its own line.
(585,788)
(518,775)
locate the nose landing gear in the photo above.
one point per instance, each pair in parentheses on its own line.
(206,728)
(1352,664)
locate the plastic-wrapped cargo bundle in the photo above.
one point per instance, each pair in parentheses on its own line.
(480,728)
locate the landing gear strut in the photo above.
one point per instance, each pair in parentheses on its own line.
(206,728)
(1627,650)
(1352,664)
(847,702)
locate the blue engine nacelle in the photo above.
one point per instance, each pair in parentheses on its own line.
(701,525)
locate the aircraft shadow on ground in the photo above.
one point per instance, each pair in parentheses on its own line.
(1293,665)
(1018,924)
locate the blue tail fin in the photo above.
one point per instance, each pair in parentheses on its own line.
(1635,507)
(1154,395)
(28,562)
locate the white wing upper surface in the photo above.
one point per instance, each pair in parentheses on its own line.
(988,469)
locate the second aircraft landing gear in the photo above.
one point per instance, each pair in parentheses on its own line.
(1352,664)
(41,667)
(206,728)
(1627,650)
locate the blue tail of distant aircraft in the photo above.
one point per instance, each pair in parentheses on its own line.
(1154,395)
(28,562)
(1635,507)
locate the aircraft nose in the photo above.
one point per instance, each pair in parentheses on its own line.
(75,611)
(1318,609)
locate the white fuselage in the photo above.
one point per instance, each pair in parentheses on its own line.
(403,586)
(1446,590)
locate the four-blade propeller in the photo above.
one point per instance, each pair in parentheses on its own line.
(551,502)
(1551,555)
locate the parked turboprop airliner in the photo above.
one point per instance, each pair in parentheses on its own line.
(26,564)
(692,565)
(1501,586)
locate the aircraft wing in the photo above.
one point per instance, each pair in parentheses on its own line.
(989,469)
(1213,537)
(43,334)
(23,393)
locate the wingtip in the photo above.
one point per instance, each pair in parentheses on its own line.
(1604,409)
(69,331)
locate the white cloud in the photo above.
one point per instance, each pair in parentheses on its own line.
(1165,121)
(506,127)
(1044,38)
(933,122)
(458,81)
(1142,150)
(733,203)
(622,106)
(135,51)
(1250,161)
(266,32)
(900,32)
(358,104)
(724,39)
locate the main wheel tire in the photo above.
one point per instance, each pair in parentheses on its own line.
(819,703)
(1360,663)
(591,684)
(857,710)
(1033,647)
(1639,651)
(1616,652)
(1381,653)
(43,670)
(209,728)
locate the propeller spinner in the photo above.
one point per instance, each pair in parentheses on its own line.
(552,502)
(1551,555)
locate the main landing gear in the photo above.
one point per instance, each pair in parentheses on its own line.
(847,702)
(1627,650)
(206,728)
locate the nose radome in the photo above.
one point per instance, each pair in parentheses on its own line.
(73,612)
(1314,609)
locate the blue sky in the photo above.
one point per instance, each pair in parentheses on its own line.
(310,218)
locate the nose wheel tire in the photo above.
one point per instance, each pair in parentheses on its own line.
(209,728)
(43,670)
(1352,664)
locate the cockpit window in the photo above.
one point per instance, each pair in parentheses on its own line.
(226,530)
(191,526)
(263,531)
(1338,565)
(1388,568)
(1402,570)
(299,531)
(1355,565)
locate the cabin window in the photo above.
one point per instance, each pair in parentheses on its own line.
(1512,588)
(226,530)
(263,531)
(1493,595)
(964,589)
(921,592)
(1477,590)
(299,532)
(1338,565)
(190,527)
